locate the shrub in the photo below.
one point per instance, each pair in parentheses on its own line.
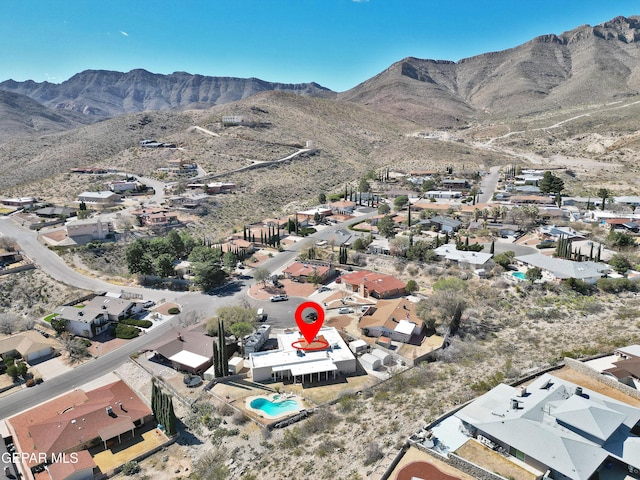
(31,382)
(126,332)
(137,323)
(616,285)
(131,468)
(173,311)
(579,286)
(372,453)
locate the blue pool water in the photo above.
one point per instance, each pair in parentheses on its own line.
(519,275)
(274,408)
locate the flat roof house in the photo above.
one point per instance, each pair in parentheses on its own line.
(450,253)
(99,198)
(114,308)
(89,229)
(558,427)
(290,362)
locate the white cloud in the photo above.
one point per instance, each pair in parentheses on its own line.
(124,34)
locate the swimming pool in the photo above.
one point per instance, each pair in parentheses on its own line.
(275,409)
(519,275)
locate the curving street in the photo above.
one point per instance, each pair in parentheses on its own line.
(203,305)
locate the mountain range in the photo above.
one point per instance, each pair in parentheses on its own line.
(549,72)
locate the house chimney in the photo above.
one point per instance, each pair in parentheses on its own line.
(180,337)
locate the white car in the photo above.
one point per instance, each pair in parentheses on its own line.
(279,298)
(345,310)
(148,304)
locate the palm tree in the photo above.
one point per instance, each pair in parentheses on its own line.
(603,194)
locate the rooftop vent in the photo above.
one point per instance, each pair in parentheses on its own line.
(109,410)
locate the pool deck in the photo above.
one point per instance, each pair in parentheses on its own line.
(273,397)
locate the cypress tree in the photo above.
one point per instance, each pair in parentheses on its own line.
(244,233)
(598,254)
(493,247)
(437,240)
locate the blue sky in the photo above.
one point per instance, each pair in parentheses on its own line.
(337,43)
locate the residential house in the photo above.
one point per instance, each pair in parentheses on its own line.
(114,308)
(343,207)
(56,212)
(22,202)
(89,229)
(551,232)
(445,224)
(395,319)
(84,322)
(178,166)
(561,269)
(623,224)
(104,198)
(450,253)
(243,247)
(377,285)
(124,186)
(186,350)
(220,187)
(302,272)
(329,358)
(446,194)
(74,423)
(455,183)
(531,200)
(30,345)
(379,246)
(559,429)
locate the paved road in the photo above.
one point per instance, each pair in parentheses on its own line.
(489,184)
(193,304)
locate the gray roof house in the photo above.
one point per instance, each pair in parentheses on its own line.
(446,224)
(554,425)
(562,269)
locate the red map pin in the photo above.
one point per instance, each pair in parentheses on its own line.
(309,330)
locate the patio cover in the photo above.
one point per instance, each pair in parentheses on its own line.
(122,426)
(189,359)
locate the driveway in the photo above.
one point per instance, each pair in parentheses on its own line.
(51,368)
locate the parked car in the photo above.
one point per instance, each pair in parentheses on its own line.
(148,304)
(364,308)
(323,289)
(279,298)
(313,316)
(345,310)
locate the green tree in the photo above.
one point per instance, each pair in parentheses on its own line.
(620,263)
(384,208)
(620,239)
(261,275)
(59,325)
(137,259)
(363,186)
(400,201)
(387,227)
(412,286)
(603,195)
(550,183)
(241,329)
(12,371)
(322,198)
(360,244)
(204,254)
(504,259)
(208,275)
(230,260)
(164,266)
(533,274)
(176,244)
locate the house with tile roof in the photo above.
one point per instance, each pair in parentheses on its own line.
(395,319)
(302,272)
(377,285)
(72,424)
(558,428)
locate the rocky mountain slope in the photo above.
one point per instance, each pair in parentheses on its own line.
(101,93)
(20,115)
(550,72)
